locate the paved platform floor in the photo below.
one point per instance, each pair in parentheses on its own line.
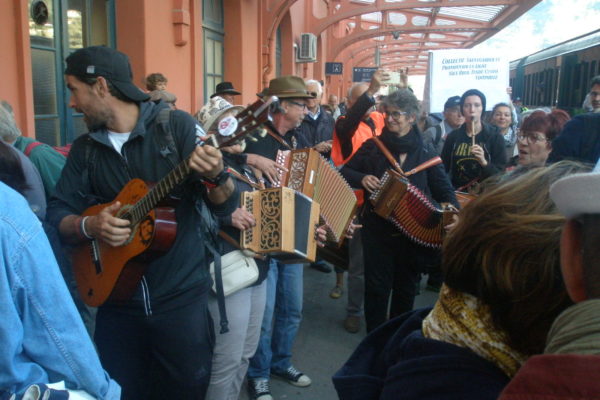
(322,344)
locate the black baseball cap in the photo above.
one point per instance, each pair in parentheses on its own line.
(453,101)
(109,63)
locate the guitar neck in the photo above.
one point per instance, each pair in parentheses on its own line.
(247,120)
(158,192)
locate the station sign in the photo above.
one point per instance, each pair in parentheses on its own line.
(334,68)
(362,74)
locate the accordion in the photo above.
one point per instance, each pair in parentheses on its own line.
(309,173)
(286,221)
(409,209)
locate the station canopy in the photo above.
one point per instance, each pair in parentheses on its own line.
(402,32)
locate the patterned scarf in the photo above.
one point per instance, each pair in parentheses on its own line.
(463,320)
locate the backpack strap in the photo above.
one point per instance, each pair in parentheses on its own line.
(164,137)
(438,134)
(89,158)
(30,147)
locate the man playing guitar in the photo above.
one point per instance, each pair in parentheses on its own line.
(158,343)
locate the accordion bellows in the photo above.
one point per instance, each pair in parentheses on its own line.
(286,221)
(409,210)
(309,173)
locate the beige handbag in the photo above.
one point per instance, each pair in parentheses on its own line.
(238,271)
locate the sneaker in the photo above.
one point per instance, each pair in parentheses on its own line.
(336,292)
(352,323)
(259,389)
(293,377)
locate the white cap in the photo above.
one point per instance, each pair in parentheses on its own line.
(578,194)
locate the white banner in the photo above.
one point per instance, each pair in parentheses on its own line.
(453,72)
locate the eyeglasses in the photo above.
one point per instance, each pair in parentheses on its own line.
(301,105)
(532,138)
(396,114)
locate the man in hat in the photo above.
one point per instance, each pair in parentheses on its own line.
(226,91)
(157,344)
(568,368)
(283,310)
(453,119)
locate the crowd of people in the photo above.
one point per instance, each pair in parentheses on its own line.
(518,274)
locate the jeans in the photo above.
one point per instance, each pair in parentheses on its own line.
(283,313)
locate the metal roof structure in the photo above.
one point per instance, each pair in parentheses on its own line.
(404,31)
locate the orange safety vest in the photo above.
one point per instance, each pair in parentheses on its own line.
(363,132)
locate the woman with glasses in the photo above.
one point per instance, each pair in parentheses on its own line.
(534,141)
(475,151)
(391,258)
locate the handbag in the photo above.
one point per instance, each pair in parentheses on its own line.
(238,271)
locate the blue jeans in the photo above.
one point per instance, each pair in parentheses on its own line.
(283,313)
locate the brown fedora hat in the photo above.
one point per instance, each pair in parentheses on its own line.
(287,87)
(224,88)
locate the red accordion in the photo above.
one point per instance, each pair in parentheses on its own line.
(410,210)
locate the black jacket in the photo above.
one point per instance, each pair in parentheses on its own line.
(97,174)
(396,362)
(462,166)
(267,146)
(345,127)
(579,140)
(369,160)
(314,131)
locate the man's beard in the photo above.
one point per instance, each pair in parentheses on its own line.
(95,122)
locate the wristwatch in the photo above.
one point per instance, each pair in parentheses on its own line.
(218,180)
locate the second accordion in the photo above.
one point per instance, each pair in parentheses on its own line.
(309,173)
(410,210)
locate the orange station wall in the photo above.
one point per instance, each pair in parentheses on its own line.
(15,62)
(166,36)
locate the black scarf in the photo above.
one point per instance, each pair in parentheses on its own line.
(398,145)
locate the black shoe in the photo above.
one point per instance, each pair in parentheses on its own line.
(259,389)
(293,377)
(321,266)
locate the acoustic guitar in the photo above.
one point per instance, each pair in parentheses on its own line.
(111,273)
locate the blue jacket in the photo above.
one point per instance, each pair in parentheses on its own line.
(42,335)
(396,362)
(579,140)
